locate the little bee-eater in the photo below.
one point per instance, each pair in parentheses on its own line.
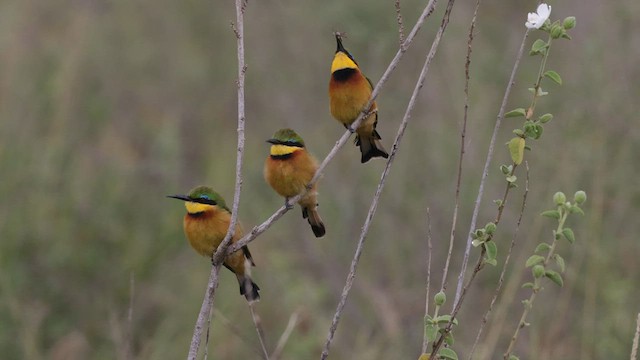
(288,169)
(349,93)
(206,224)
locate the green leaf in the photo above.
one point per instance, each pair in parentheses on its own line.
(449,339)
(447,353)
(518,132)
(492,249)
(560,261)
(498,202)
(575,209)
(516,149)
(513,357)
(445,319)
(528,285)
(555,277)
(553,76)
(538,47)
(534,260)
(555,214)
(568,233)
(492,262)
(515,113)
(476,243)
(512,178)
(545,118)
(542,247)
(505,169)
(431,332)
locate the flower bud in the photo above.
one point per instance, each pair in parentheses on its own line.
(490,228)
(569,23)
(580,197)
(538,271)
(440,298)
(559,198)
(556,31)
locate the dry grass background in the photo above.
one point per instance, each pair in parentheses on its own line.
(107,106)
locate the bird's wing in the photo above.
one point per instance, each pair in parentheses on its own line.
(247,254)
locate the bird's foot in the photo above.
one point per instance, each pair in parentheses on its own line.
(287,204)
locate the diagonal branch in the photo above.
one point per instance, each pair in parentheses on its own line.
(257,230)
(385,172)
(220,254)
(485,172)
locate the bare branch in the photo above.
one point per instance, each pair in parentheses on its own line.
(504,266)
(485,172)
(400,23)
(636,338)
(385,172)
(258,323)
(256,231)
(425,342)
(293,321)
(220,254)
(463,133)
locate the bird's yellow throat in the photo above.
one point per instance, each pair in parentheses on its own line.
(279,149)
(194,207)
(342,61)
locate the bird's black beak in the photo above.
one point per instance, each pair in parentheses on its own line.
(273,141)
(339,41)
(180,197)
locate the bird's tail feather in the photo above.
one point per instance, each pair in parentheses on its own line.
(248,288)
(312,216)
(371,147)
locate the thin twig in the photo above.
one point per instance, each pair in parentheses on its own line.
(129,343)
(374,202)
(220,254)
(293,321)
(504,266)
(400,23)
(232,328)
(207,336)
(257,230)
(636,338)
(258,323)
(463,133)
(485,172)
(425,342)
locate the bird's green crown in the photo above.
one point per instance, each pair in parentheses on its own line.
(288,137)
(206,195)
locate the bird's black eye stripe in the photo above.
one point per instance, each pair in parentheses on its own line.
(204,201)
(291,143)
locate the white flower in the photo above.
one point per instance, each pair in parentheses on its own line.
(536,19)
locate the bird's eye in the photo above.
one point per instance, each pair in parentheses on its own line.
(205,197)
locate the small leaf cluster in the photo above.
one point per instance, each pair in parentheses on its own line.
(532,127)
(484,237)
(435,326)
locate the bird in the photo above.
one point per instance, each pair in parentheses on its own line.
(288,170)
(349,93)
(205,226)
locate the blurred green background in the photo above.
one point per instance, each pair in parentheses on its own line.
(108,106)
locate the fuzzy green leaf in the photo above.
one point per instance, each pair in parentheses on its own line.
(449,339)
(528,285)
(554,276)
(554,76)
(560,261)
(551,213)
(431,332)
(542,247)
(575,209)
(476,243)
(516,149)
(545,118)
(445,319)
(447,353)
(492,262)
(492,249)
(513,357)
(539,47)
(515,113)
(568,233)
(512,178)
(534,260)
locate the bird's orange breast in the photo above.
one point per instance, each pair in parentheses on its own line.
(348,96)
(206,230)
(289,176)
